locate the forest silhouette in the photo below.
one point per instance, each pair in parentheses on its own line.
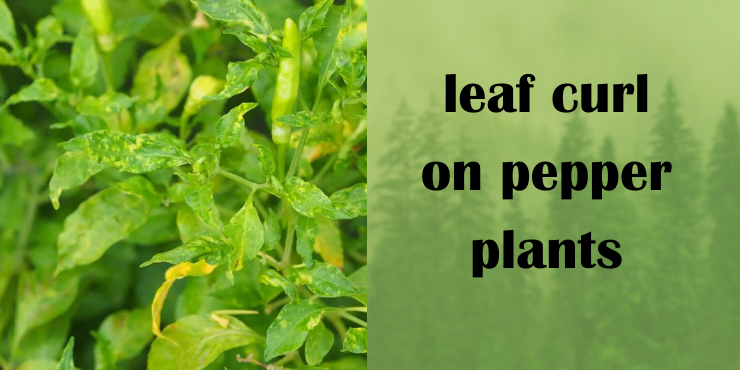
(673,304)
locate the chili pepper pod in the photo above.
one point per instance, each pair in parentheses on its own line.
(99,15)
(288,81)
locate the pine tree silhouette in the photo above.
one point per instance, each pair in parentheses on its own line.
(394,224)
(570,218)
(723,206)
(671,323)
(521,305)
(615,217)
(431,230)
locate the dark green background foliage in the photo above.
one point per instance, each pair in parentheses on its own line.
(147,219)
(673,302)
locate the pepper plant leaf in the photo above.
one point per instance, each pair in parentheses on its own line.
(229,128)
(305,119)
(318,344)
(242,12)
(352,66)
(253,42)
(306,230)
(127,331)
(273,278)
(208,247)
(195,341)
(7,26)
(266,159)
(239,77)
(72,170)
(83,68)
(102,220)
(309,200)
(246,233)
(324,279)
(291,327)
(40,90)
(200,199)
(42,298)
(313,19)
(352,201)
(67,362)
(356,341)
(130,153)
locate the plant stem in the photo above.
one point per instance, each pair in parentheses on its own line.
(290,356)
(270,260)
(240,179)
(270,307)
(356,309)
(107,72)
(353,319)
(298,153)
(288,245)
(325,168)
(183,127)
(339,325)
(235,312)
(281,161)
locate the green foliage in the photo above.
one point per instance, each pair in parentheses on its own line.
(135,116)
(356,341)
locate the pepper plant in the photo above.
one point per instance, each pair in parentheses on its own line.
(205,165)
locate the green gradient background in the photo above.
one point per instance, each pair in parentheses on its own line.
(675,301)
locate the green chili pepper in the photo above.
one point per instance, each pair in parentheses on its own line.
(99,15)
(288,80)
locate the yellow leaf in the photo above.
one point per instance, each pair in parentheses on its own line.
(176,272)
(328,243)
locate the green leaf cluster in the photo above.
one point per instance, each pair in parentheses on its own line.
(144,205)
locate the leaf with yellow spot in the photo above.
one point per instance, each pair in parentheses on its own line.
(42,89)
(324,279)
(111,107)
(193,342)
(167,66)
(72,170)
(318,344)
(130,153)
(352,201)
(229,128)
(242,12)
(310,201)
(207,246)
(291,327)
(200,199)
(239,77)
(306,231)
(356,341)
(103,220)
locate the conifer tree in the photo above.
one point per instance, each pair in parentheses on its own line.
(395,189)
(614,218)
(431,230)
(723,206)
(672,322)
(569,219)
